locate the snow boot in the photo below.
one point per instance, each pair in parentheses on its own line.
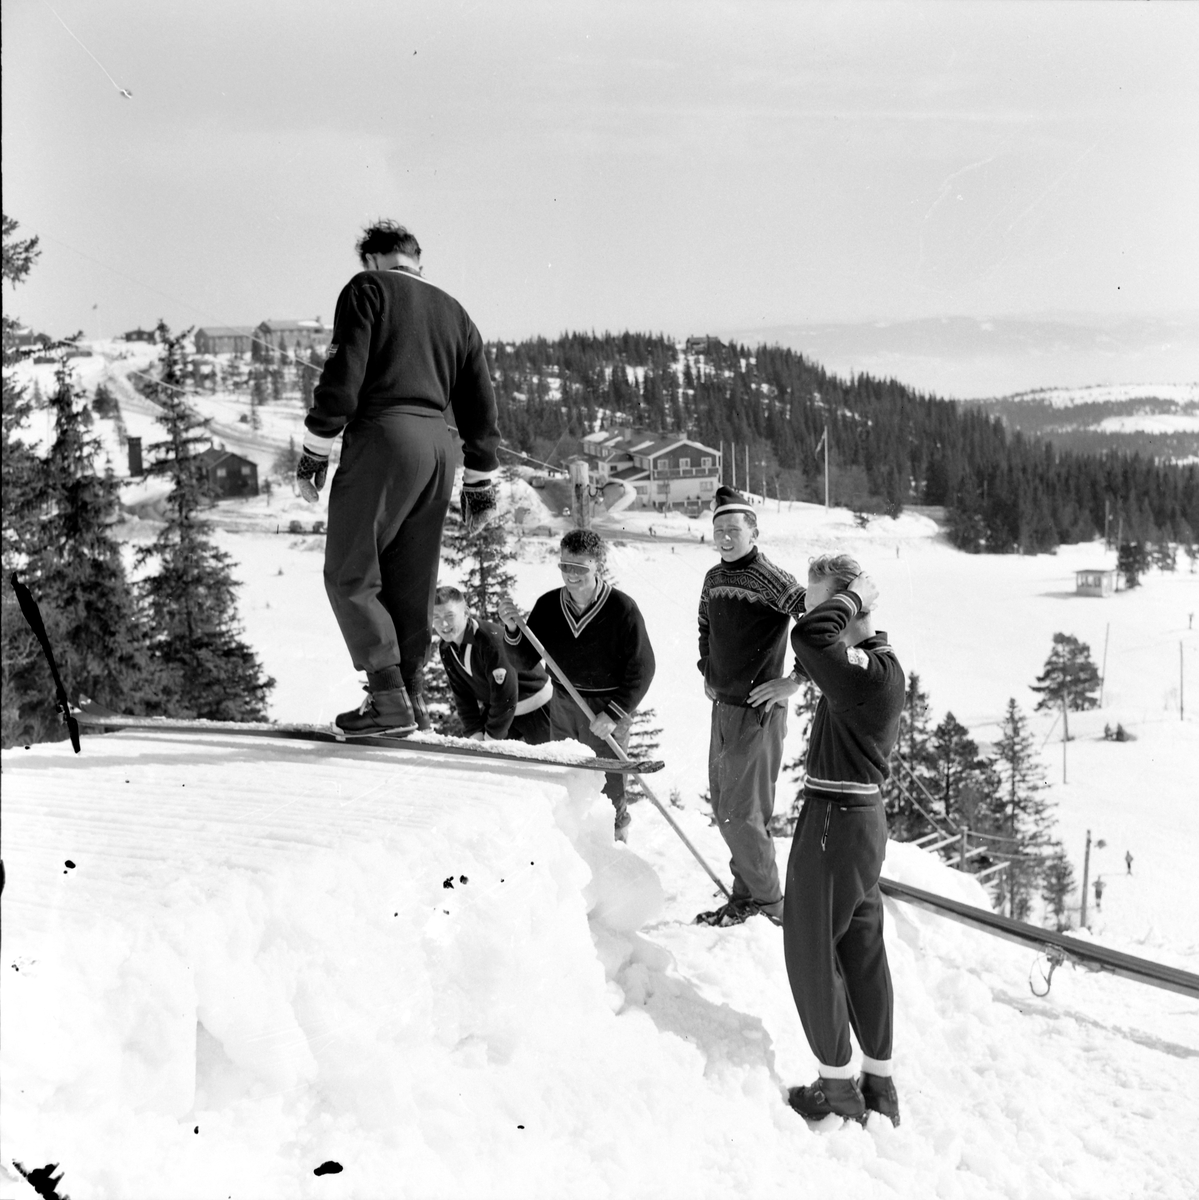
(416,694)
(734,912)
(621,827)
(385,711)
(879,1093)
(828,1096)
(740,909)
(420,712)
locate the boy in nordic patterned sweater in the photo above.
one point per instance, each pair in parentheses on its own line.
(597,636)
(833,918)
(403,353)
(745,611)
(494,699)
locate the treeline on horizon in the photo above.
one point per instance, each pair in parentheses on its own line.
(889,445)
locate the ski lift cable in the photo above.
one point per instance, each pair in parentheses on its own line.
(124,91)
(300,362)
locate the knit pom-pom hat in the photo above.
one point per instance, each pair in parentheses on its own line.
(729,501)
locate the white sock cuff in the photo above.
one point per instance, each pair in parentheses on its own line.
(876,1066)
(845,1072)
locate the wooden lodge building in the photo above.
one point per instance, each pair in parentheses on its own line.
(668,470)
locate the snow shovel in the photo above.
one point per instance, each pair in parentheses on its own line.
(619,751)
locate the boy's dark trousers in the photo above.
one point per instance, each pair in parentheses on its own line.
(569,721)
(833,927)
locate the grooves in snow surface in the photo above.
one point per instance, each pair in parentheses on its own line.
(228,968)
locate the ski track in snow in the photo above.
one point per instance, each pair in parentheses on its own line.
(255,939)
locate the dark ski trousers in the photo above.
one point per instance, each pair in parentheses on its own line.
(534,728)
(744,756)
(387,505)
(833,927)
(569,721)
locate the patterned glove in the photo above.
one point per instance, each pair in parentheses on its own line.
(310,475)
(478,504)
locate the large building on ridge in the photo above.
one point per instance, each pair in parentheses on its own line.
(668,470)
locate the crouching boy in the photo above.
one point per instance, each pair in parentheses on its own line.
(495,697)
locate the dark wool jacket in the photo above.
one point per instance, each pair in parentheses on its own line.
(489,689)
(398,340)
(862,693)
(745,610)
(604,652)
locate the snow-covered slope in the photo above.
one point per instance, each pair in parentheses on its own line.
(254,967)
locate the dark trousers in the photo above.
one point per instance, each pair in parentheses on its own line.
(387,505)
(569,721)
(744,756)
(833,929)
(534,727)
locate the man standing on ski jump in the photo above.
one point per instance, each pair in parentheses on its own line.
(745,611)
(495,699)
(403,352)
(833,918)
(597,636)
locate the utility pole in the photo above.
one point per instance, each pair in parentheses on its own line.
(580,477)
(1103,673)
(1086,871)
(1065,738)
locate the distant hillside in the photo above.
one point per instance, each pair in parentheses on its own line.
(889,445)
(960,357)
(1157,420)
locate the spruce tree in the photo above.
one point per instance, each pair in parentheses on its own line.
(20,656)
(913,751)
(481,560)
(1018,810)
(1070,680)
(191,599)
(58,514)
(1057,885)
(643,741)
(100,636)
(1132,561)
(958,769)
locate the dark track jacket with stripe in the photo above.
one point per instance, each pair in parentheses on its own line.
(489,687)
(399,341)
(862,690)
(605,651)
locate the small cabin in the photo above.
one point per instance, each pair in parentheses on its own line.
(228,474)
(1094,583)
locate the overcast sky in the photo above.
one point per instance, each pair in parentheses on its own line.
(671,166)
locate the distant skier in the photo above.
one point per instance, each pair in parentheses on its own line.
(1128,860)
(745,609)
(494,698)
(833,918)
(1099,886)
(596,634)
(403,352)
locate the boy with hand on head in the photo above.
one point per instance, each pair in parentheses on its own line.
(597,636)
(745,610)
(494,699)
(833,916)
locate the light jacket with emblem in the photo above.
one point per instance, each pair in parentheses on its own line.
(604,651)
(489,688)
(862,690)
